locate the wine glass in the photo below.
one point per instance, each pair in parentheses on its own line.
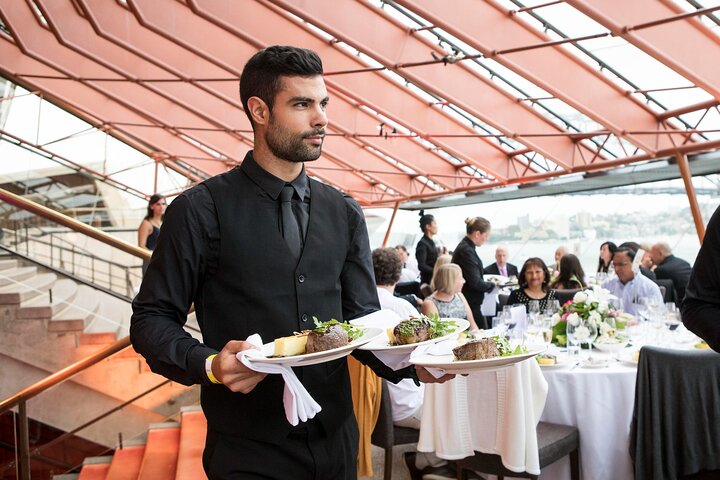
(573,344)
(586,332)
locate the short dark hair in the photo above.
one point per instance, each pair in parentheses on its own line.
(387,266)
(477,224)
(627,251)
(534,262)
(261,75)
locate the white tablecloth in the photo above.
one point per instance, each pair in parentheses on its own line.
(491,411)
(600,403)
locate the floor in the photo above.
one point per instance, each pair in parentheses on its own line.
(399,470)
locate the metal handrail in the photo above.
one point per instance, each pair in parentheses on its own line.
(62,375)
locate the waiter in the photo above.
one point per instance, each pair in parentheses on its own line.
(262,249)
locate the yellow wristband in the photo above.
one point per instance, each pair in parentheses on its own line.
(208,369)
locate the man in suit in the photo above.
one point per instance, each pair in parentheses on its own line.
(501,265)
(668,266)
(248,251)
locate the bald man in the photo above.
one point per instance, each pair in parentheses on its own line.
(672,268)
(501,265)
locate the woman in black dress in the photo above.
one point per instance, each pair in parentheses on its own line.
(426,251)
(534,278)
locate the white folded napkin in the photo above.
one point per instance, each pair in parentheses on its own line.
(385,319)
(441,348)
(299,405)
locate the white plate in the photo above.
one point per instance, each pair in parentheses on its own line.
(610,347)
(627,359)
(560,362)
(597,363)
(318,357)
(383,344)
(447,362)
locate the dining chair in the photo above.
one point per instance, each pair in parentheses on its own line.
(675,429)
(554,442)
(386,435)
(564,295)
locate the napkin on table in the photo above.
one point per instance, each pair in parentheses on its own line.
(299,405)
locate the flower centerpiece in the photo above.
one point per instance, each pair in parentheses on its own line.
(596,305)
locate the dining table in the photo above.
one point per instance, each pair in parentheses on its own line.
(493,411)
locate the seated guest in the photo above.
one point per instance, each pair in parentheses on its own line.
(443,259)
(670,267)
(607,250)
(446,300)
(628,286)
(534,285)
(646,254)
(405,396)
(410,272)
(501,265)
(701,306)
(555,267)
(571,274)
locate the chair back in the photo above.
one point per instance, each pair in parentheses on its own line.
(675,429)
(668,292)
(386,434)
(564,295)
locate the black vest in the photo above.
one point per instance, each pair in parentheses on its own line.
(256,288)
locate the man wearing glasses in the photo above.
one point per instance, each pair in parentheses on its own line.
(629,286)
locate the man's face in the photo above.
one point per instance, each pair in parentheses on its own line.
(296,127)
(656,255)
(501,256)
(623,267)
(558,254)
(403,255)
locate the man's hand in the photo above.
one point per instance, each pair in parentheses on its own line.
(426,377)
(231,372)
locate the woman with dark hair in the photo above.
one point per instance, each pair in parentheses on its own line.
(426,251)
(607,250)
(149,229)
(571,274)
(465,255)
(534,285)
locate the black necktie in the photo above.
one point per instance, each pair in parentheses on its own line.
(291,230)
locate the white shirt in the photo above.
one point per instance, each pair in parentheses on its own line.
(631,293)
(405,396)
(407,275)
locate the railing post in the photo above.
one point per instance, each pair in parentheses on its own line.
(23,442)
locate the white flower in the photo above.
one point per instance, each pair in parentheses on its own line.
(603,306)
(582,334)
(595,317)
(589,297)
(573,319)
(555,319)
(606,330)
(580,297)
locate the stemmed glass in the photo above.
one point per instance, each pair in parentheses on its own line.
(586,332)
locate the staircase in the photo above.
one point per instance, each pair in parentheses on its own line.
(48,322)
(172,452)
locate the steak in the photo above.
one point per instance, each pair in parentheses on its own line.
(412,330)
(335,336)
(477,350)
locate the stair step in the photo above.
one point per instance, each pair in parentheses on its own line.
(15,275)
(24,313)
(192,443)
(7,264)
(66,326)
(95,468)
(84,306)
(126,463)
(63,294)
(31,287)
(161,454)
(97,338)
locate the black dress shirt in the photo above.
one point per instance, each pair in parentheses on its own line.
(188,252)
(426,253)
(701,306)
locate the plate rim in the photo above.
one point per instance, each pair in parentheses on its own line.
(309,357)
(403,349)
(463,366)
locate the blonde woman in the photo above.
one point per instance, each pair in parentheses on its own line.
(446,300)
(443,259)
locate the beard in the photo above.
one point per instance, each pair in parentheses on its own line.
(290,146)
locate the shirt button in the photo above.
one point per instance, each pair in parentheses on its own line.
(301,278)
(304,317)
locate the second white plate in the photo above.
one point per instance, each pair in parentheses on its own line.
(383,343)
(447,363)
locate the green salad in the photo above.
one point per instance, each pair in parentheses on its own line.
(352,331)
